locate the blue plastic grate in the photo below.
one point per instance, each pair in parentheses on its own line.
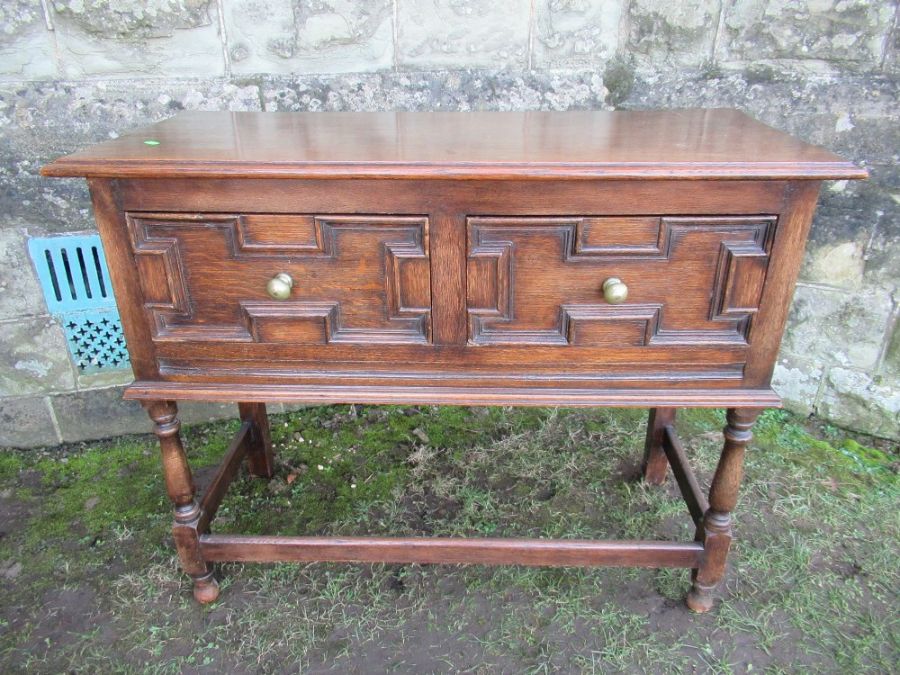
(75,281)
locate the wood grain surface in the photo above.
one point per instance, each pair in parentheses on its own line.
(694,143)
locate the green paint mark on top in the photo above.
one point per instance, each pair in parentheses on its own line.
(150,141)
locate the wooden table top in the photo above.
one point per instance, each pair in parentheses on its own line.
(687,143)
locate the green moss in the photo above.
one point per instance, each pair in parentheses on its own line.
(461,471)
(618,78)
(11,463)
(844,460)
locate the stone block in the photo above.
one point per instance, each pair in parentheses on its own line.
(102,379)
(460,90)
(326,36)
(20,291)
(575,33)
(843,33)
(890,366)
(128,38)
(33,357)
(797,382)
(670,35)
(26,423)
(853,399)
(833,327)
(840,264)
(44,120)
(98,413)
(198,412)
(883,249)
(457,34)
(26,46)
(101,413)
(892,49)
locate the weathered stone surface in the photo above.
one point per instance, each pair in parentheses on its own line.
(797,382)
(33,357)
(892,49)
(20,292)
(575,33)
(890,368)
(852,115)
(45,120)
(85,415)
(126,19)
(883,249)
(810,67)
(840,264)
(464,90)
(845,33)
(197,412)
(26,46)
(26,423)
(834,327)
(672,34)
(293,36)
(97,413)
(853,399)
(165,37)
(103,379)
(458,34)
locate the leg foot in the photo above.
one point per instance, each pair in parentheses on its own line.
(699,599)
(656,464)
(206,589)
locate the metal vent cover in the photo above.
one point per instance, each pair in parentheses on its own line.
(75,281)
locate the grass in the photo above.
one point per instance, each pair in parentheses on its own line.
(812,585)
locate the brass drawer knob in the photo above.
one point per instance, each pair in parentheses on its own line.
(614,291)
(279,286)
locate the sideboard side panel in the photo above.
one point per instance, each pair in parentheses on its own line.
(124,274)
(784,268)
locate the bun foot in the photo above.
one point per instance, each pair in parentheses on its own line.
(699,601)
(206,589)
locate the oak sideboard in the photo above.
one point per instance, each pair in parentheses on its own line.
(642,259)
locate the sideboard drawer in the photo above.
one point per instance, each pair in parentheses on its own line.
(691,281)
(355,279)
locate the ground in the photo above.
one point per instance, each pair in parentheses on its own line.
(89,580)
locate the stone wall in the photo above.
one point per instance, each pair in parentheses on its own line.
(73,72)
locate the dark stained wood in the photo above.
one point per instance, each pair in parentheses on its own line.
(784,268)
(667,144)
(715,528)
(532,282)
(324,394)
(260,457)
(599,198)
(681,469)
(458,259)
(437,550)
(124,275)
(190,519)
(226,472)
(448,273)
(655,464)
(359,280)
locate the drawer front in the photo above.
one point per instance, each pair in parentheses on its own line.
(357,280)
(457,284)
(692,282)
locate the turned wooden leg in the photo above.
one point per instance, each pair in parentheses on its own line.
(715,529)
(260,460)
(655,463)
(189,518)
